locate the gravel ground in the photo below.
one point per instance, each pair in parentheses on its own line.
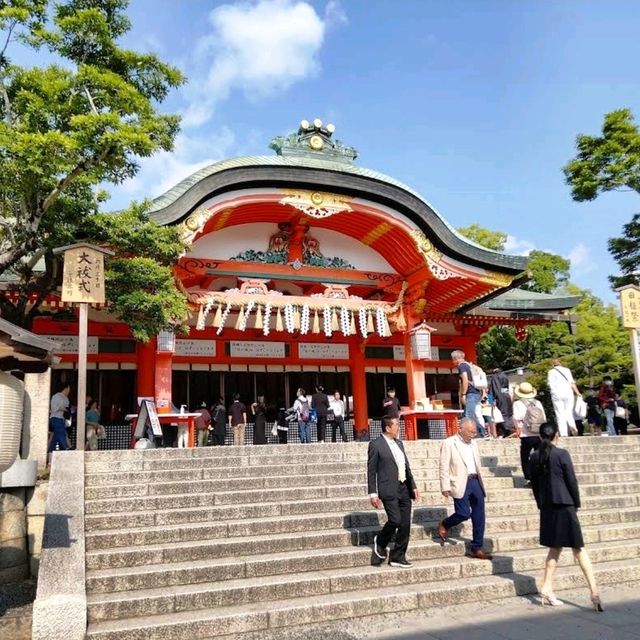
(16,600)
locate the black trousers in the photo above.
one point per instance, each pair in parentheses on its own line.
(282,436)
(322,424)
(527,445)
(398,522)
(338,422)
(217,436)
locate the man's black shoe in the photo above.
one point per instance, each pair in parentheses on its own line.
(375,561)
(403,564)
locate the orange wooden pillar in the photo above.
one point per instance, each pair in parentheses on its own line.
(146,368)
(416,384)
(359,389)
(163,381)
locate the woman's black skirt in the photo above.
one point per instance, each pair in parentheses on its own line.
(559,527)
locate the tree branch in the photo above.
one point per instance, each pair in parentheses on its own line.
(63,183)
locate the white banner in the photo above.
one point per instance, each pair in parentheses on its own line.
(254,349)
(186,347)
(323,351)
(69,344)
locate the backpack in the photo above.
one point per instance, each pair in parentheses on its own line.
(304,413)
(478,377)
(533,417)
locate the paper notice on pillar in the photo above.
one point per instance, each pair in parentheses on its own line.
(83,276)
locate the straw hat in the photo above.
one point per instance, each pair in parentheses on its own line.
(525,390)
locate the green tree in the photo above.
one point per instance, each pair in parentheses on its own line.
(611,162)
(494,240)
(68,127)
(626,251)
(549,272)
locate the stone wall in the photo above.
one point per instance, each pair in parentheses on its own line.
(21,524)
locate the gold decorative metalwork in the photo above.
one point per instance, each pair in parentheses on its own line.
(315,203)
(432,257)
(497,279)
(195,223)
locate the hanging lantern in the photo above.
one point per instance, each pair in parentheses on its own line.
(421,342)
(166,341)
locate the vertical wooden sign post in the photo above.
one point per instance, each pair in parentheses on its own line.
(630,305)
(83,282)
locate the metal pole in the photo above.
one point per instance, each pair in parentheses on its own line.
(82,375)
(635,354)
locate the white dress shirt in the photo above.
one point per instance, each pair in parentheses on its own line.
(560,381)
(398,456)
(466,451)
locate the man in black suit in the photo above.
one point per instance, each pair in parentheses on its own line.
(390,483)
(320,402)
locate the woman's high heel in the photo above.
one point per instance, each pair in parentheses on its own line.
(597,604)
(550,599)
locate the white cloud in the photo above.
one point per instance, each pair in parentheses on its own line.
(259,48)
(518,247)
(581,259)
(164,170)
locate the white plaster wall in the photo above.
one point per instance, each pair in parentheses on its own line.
(229,242)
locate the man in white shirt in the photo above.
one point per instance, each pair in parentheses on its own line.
(391,484)
(461,479)
(564,391)
(59,404)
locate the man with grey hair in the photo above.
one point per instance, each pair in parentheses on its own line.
(461,479)
(470,395)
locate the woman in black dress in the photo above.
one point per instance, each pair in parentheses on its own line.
(260,421)
(555,488)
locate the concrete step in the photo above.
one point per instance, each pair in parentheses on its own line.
(349,507)
(424,478)
(323,560)
(611,449)
(498,539)
(422,518)
(215,622)
(161,600)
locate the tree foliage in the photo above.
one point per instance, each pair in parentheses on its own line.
(549,272)
(626,251)
(494,240)
(611,162)
(608,162)
(68,127)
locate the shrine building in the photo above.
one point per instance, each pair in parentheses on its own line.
(305,268)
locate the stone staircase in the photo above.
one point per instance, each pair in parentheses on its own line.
(205,543)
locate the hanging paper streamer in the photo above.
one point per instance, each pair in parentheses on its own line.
(362,321)
(245,319)
(279,326)
(296,319)
(304,320)
(223,319)
(288,318)
(380,317)
(327,322)
(316,322)
(345,325)
(267,319)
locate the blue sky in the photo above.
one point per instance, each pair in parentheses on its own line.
(475,104)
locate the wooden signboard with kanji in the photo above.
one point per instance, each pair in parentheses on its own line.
(630,304)
(83,275)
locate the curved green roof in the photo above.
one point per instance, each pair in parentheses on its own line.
(193,190)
